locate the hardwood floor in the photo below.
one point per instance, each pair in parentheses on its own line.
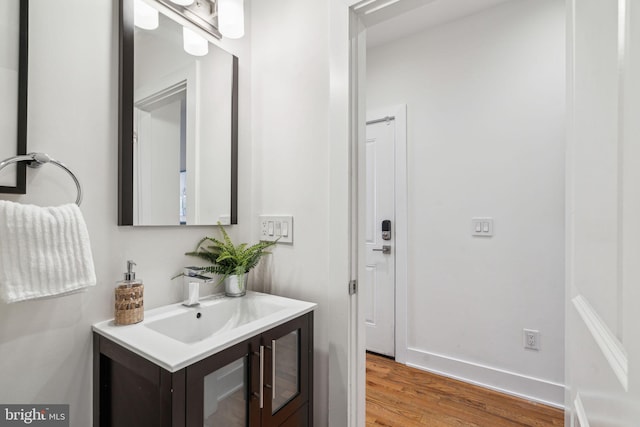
(400,396)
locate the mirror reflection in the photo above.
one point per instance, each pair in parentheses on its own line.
(184,126)
(13,15)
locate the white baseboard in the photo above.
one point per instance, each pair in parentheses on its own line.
(534,389)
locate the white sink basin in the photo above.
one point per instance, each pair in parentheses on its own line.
(202,322)
(176,336)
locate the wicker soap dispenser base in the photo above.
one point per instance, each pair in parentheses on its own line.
(129,306)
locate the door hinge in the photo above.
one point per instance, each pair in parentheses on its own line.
(353,287)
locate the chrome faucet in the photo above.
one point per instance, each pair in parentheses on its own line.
(192,281)
(194,273)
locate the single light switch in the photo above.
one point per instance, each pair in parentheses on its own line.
(285,229)
(270,227)
(478,227)
(278,228)
(485,227)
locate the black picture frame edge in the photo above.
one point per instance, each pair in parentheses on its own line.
(234,143)
(125,114)
(23,76)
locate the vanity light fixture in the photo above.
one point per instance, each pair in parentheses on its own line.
(183,2)
(193,43)
(201,14)
(231,18)
(145,16)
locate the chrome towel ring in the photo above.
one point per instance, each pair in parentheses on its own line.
(35,160)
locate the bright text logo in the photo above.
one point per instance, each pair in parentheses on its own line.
(36,415)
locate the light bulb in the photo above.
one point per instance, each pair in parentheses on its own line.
(144,16)
(231,18)
(183,2)
(193,43)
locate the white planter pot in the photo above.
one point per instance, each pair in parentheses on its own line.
(236,285)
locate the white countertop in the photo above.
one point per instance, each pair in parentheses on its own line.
(173,354)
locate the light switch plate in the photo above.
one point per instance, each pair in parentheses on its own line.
(482,226)
(276,227)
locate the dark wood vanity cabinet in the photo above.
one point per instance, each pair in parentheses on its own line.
(263,381)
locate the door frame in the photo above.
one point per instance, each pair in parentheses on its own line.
(399,227)
(348,57)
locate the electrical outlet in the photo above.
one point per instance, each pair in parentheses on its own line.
(531,339)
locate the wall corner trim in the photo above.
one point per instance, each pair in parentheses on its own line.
(581,414)
(607,341)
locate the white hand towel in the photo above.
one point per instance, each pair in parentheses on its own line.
(44,252)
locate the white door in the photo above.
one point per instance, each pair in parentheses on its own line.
(157,164)
(603,205)
(378,282)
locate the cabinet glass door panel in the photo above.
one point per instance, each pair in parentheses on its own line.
(287,375)
(225,394)
(286,370)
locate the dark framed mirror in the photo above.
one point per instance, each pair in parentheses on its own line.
(178,121)
(14,35)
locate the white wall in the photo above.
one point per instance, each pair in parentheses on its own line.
(485,111)
(301,167)
(45,346)
(290,110)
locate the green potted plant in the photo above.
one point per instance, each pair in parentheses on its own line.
(231,261)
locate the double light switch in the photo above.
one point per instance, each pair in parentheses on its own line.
(482,226)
